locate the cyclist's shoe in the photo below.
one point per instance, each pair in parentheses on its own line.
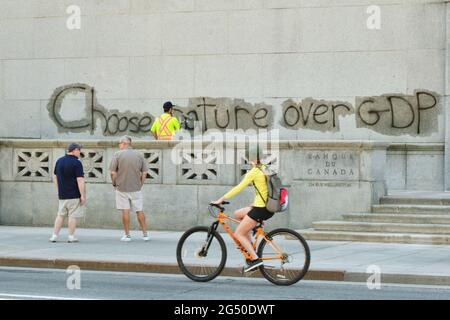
(126,238)
(252,265)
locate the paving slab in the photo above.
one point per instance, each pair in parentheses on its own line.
(101,249)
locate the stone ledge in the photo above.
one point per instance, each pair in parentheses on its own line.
(283,144)
(440,147)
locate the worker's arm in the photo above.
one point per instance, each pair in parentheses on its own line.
(176,123)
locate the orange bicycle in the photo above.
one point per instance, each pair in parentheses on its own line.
(202,254)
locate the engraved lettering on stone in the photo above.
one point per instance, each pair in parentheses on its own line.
(329,184)
(330,165)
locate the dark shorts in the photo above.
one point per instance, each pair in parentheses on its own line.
(258,214)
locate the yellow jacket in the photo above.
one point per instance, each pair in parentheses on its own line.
(257,177)
(169,129)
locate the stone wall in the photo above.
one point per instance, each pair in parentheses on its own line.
(324,178)
(304,70)
(415,167)
(311,69)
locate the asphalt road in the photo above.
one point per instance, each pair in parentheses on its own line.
(26,283)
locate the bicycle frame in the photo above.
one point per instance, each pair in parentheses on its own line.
(222,217)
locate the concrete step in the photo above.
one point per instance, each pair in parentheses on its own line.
(398,217)
(311,234)
(382,227)
(437,201)
(411,209)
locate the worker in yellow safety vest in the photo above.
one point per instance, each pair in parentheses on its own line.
(166,125)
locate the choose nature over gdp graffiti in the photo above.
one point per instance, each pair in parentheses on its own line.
(389,114)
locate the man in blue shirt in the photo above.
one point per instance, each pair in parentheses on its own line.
(69,179)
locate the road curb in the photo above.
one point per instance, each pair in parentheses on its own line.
(150,267)
(172,268)
(393,278)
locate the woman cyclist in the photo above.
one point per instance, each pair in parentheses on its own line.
(251,215)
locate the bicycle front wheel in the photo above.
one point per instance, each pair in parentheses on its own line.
(201,254)
(286,257)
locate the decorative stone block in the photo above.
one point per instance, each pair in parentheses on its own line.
(93,165)
(153,158)
(198,167)
(32,165)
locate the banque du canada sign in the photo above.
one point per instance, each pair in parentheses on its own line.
(389,114)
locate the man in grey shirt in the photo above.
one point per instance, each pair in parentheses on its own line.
(128,171)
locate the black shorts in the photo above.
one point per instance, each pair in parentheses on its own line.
(260,214)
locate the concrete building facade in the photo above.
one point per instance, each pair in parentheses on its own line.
(365,82)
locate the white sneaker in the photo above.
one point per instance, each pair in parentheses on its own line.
(146,237)
(53,238)
(126,238)
(72,239)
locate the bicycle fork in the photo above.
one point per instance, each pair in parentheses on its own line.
(209,238)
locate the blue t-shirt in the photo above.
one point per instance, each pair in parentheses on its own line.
(68,169)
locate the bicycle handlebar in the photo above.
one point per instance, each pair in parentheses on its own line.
(219,206)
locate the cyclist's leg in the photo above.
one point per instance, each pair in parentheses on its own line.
(242,233)
(241,213)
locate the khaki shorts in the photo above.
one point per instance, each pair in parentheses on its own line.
(129,201)
(71,208)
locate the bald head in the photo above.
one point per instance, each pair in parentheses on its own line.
(124,142)
(125,139)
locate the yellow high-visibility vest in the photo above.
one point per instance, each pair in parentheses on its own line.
(164,132)
(165,126)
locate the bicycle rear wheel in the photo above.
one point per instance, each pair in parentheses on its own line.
(295,260)
(201,254)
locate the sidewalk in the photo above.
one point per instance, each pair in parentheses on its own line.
(103,250)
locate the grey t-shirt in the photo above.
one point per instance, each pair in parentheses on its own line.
(129,165)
